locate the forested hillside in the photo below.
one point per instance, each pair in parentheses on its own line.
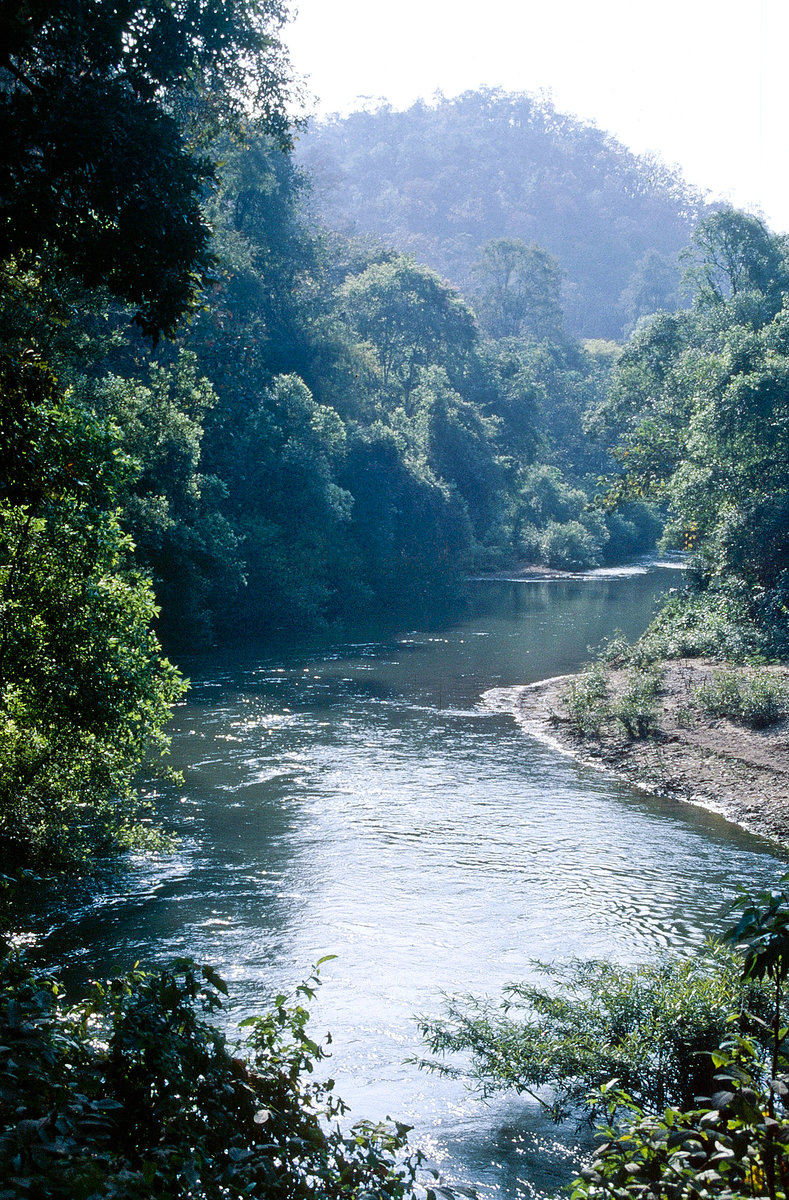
(698,415)
(219,419)
(441,180)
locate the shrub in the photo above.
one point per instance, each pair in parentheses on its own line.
(755,698)
(735,1142)
(728,1148)
(133,1094)
(708,624)
(653,1027)
(586,702)
(635,708)
(569,546)
(617,651)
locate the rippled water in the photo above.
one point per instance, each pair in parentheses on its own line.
(363,800)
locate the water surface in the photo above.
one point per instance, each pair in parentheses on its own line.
(360,799)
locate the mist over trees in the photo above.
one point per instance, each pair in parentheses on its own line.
(441,180)
(224,419)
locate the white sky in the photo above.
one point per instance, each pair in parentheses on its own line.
(704,83)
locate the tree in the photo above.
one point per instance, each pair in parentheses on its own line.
(85,693)
(409,530)
(457,442)
(410,319)
(733,1140)
(103,172)
(441,180)
(653,287)
(520,290)
(698,408)
(732,253)
(170,507)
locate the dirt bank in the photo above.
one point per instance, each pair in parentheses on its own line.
(739,772)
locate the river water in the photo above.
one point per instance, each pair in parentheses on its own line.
(364,800)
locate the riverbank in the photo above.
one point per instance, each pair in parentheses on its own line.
(726,767)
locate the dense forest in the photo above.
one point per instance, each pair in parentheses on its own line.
(222,415)
(442,180)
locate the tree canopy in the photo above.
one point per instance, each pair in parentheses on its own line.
(105,112)
(698,411)
(441,180)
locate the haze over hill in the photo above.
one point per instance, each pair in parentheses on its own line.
(439,181)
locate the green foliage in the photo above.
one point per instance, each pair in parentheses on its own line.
(135,1093)
(732,253)
(410,319)
(653,287)
(172,511)
(727,1148)
(698,414)
(409,527)
(756,698)
(635,706)
(734,1142)
(442,180)
(707,624)
(592,707)
(556,524)
(458,443)
(586,702)
(568,546)
(354,427)
(103,173)
(652,1027)
(85,693)
(520,291)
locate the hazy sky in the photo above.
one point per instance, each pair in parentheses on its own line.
(704,83)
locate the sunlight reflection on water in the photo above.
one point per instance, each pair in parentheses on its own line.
(357,800)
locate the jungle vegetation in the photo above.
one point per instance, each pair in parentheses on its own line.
(220,414)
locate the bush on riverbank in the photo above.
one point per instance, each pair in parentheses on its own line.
(592,707)
(686,1061)
(755,698)
(652,1027)
(735,1141)
(134,1094)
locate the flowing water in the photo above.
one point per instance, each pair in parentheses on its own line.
(365,800)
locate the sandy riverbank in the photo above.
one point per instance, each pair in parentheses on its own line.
(741,773)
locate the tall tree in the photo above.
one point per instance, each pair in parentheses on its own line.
(410,319)
(85,694)
(520,290)
(106,111)
(100,168)
(700,415)
(734,254)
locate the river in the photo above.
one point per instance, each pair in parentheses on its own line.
(362,799)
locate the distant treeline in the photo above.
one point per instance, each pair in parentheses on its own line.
(440,180)
(221,418)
